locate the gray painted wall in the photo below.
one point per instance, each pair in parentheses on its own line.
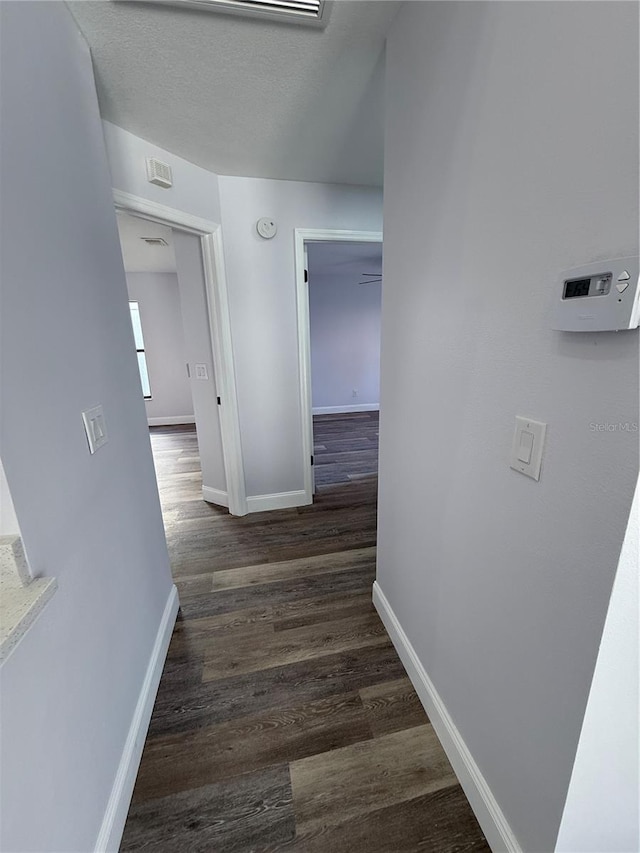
(70,688)
(159,299)
(262,296)
(194,190)
(198,349)
(510,155)
(344,319)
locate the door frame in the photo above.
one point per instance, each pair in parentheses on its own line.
(210,234)
(302,236)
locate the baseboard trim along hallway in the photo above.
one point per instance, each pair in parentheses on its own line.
(489,814)
(279,500)
(215,496)
(172,420)
(340,410)
(115,816)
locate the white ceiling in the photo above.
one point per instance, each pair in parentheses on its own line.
(136,254)
(241,96)
(350,259)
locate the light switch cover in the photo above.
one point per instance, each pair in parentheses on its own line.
(95,428)
(526,450)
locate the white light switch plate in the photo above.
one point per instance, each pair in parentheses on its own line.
(201,371)
(95,428)
(526,450)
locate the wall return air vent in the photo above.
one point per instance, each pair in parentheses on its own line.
(154,241)
(309,12)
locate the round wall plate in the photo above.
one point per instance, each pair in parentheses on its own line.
(266,227)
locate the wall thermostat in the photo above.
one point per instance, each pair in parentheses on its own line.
(599,297)
(266,227)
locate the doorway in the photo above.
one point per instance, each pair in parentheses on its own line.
(200,381)
(339,279)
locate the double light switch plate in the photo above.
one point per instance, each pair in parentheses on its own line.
(526,450)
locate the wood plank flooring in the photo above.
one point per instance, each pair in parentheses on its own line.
(345,447)
(284,719)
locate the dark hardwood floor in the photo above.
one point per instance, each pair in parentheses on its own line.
(284,719)
(345,447)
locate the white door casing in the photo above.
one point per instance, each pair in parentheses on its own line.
(302,236)
(210,234)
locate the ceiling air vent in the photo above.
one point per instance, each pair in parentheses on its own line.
(154,241)
(312,12)
(159,173)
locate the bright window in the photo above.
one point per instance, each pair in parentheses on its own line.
(134,308)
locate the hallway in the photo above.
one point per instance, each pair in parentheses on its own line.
(284,719)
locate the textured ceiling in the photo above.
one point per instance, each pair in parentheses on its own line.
(345,259)
(242,96)
(137,255)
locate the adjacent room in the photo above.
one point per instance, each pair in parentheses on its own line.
(345,294)
(154,300)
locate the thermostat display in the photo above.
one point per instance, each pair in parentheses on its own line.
(599,285)
(578,287)
(599,297)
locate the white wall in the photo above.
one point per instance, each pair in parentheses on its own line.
(502,168)
(194,190)
(159,299)
(602,811)
(261,278)
(197,338)
(70,688)
(344,320)
(8,522)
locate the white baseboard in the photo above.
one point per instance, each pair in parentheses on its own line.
(215,496)
(110,834)
(279,500)
(489,814)
(172,420)
(338,410)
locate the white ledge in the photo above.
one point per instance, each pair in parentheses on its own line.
(22,598)
(19,608)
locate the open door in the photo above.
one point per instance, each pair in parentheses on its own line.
(306,280)
(303,236)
